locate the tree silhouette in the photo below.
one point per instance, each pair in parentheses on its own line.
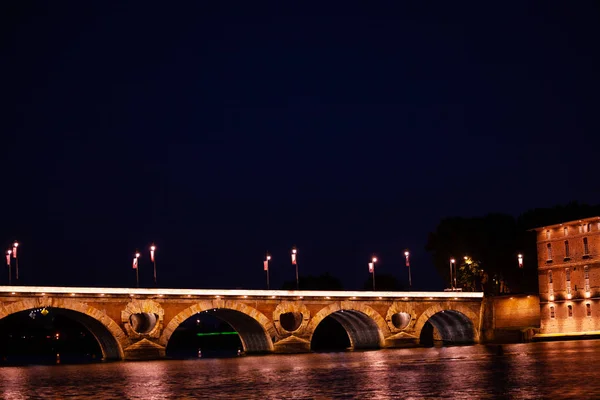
(309,282)
(493,242)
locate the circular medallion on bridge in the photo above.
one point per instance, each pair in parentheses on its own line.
(401,320)
(143,318)
(400,315)
(290,317)
(290,321)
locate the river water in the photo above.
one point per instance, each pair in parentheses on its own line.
(556,370)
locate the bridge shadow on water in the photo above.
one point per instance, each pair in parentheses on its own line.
(330,336)
(204,336)
(46,336)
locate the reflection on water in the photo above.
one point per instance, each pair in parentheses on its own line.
(557,370)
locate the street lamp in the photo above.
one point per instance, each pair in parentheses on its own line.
(136,267)
(520,259)
(406,255)
(14,254)
(372,269)
(266,267)
(452,264)
(295,263)
(153,259)
(8,253)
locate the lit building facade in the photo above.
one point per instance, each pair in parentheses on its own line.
(569,277)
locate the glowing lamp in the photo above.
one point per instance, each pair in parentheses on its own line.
(374,259)
(452,260)
(520,258)
(406,253)
(268,258)
(153,247)
(137,255)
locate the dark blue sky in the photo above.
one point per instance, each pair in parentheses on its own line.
(221,130)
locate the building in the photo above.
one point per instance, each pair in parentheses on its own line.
(569,277)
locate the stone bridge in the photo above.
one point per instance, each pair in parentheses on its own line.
(138,323)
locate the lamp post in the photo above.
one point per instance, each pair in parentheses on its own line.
(266,267)
(406,255)
(8,253)
(153,259)
(295,262)
(136,266)
(14,254)
(372,269)
(452,263)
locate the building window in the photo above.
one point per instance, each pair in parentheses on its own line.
(547,234)
(586,250)
(586,276)
(568,279)
(588,309)
(550,277)
(567,252)
(570,310)
(552,315)
(566,231)
(589,227)
(580,229)
(549,251)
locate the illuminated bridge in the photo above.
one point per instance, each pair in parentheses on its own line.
(138,323)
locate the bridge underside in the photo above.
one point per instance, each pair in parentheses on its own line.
(362,330)
(252,335)
(452,326)
(106,341)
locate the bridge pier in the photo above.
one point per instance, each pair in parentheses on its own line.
(292,345)
(144,350)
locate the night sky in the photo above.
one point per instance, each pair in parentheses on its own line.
(221,130)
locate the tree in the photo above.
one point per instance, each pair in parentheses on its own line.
(492,243)
(488,242)
(310,282)
(469,275)
(384,282)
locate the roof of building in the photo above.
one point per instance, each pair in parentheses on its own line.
(574,222)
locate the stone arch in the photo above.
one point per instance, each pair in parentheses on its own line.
(365,326)
(254,328)
(456,323)
(111,338)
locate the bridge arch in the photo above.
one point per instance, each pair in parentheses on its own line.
(455,323)
(365,326)
(111,338)
(254,328)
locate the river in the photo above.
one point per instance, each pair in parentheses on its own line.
(557,370)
